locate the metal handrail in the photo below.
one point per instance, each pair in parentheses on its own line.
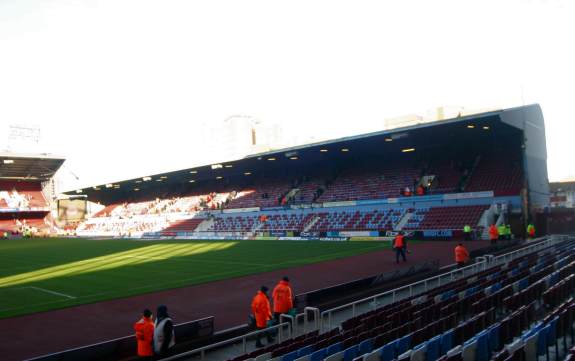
(451,275)
(243,338)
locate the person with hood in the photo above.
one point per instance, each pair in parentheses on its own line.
(262,313)
(283,298)
(164,338)
(145,335)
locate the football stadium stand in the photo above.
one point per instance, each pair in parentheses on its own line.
(24,200)
(431,180)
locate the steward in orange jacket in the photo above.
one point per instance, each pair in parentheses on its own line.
(461,255)
(400,247)
(262,313)
(283,298)
(493,233)
(145,334)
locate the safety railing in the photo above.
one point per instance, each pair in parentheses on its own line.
(200,353)
(367,304)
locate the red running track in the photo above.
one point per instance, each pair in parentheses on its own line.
(228,300)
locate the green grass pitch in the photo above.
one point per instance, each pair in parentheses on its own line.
(44,274)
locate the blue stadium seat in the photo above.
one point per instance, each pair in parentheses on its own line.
(318,355)
(493,337)
(350,353)
(446,342)
(388,351)
(482,350)
(290,356)
(304,351)
(366,346)
(335,348)
(432,352)
(403,344)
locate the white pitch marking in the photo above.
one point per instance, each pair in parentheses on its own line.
(52,292)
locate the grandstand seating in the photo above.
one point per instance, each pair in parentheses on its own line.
(446,217)
(185,225)
(515,311)
(502,176)
(371,184)
(21,195)
(268,194)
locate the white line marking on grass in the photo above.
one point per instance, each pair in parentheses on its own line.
(51,292)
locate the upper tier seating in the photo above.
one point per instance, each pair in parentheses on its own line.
(21,195)
(503,177)
(268,194)
(372,184)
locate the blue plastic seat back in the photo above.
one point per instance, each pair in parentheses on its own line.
(366,346)
(482,351)
(493,337)
(433,349)
(305,351)
(290,356)
(446,342)
(335,348)
(318,355)
(552,332)
(542,341)
(388,352)
(350,353)
(403,344)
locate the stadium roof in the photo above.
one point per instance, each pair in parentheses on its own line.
(393,141)
(29,167)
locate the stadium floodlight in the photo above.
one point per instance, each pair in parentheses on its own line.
(271,158)
(471,126)
(323,150)
(8,161)
(147,179)
(191,181)
(294,158)
(247,173)
(407,150)
(345,150)
(485,127)
(229,165)
(109,185)
(193,171)
(136,189)
(138,181)
(116,186)
(96,188)
(159,180)
(219,177)
(217,166)
(78,191)
(164,177)
(389,139)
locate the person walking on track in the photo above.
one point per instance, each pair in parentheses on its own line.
(400,246)
(283,298)
(262,313)
(461,255)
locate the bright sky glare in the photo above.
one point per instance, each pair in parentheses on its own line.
(122,87)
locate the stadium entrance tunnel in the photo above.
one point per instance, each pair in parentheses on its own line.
(152,253)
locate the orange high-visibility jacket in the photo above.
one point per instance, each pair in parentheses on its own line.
(261,309)
(398,242)
(283,298)
(461,254)
(144,335)
(493,232)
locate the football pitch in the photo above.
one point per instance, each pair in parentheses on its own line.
(45,274)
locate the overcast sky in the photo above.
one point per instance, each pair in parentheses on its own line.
(122,88)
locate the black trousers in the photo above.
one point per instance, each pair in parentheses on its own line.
(398,252)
